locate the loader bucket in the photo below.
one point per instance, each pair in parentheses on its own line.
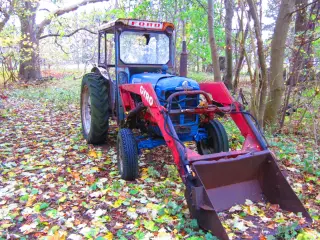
(228,182)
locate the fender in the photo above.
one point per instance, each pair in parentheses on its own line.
(104,73)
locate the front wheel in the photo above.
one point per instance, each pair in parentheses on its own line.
(217,140)
(94,108)
(127,154)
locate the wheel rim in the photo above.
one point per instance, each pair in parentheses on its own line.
(86,110)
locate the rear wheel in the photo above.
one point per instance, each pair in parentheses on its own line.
(217,140)
(94,108)
(127,154)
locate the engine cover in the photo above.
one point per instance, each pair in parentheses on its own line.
(186,125)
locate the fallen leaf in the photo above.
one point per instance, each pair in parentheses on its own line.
(118,225)
(31,200)
(93,154)
(240,226)
(235,208)
(109,236)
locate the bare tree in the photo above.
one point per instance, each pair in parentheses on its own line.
(301,53)
(31,33)
(262,62)
(6,9)
(228,27)
(213,45)
(302,57)
(242,40)
(276,65)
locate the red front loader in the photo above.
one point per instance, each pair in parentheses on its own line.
(135,84)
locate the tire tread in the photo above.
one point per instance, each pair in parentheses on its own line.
(99,96)
(129,150)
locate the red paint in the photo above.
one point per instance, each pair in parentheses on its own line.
(154,115)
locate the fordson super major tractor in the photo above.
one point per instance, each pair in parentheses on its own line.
(135,84)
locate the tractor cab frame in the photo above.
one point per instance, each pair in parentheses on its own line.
(120,37)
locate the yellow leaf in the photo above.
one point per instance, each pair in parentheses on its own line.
(117,203)
(150,205)
(31,201)
(95,169)
(11,174)
(93,153)
(99,154)
(57,236)
(164,235)
(6,225)
(62,199)
(109,236)
(144,173)
(130,209)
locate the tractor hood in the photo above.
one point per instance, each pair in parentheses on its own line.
(163,82)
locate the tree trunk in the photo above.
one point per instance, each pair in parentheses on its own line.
(241,58)
(228,27)
(301,26)
(276,65)
(6,9)
(213,45)
(301,51)
(29,68)
(262,62)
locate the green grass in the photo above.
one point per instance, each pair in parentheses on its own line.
(200,76)
(58,93)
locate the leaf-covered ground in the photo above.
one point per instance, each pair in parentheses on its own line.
(55,186)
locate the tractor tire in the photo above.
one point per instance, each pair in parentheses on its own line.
(217,140)
(94,108)
(127,155)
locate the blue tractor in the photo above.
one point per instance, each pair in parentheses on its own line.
(133,52)
(136,85)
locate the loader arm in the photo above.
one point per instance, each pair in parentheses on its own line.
(220,94)
(216,182)
(158,112)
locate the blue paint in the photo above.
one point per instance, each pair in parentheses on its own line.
(201,135)
(148,78)
(149,143)
(186,128)
(120,110)
(166,84)
(163,81)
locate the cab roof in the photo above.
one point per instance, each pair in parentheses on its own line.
(136,24)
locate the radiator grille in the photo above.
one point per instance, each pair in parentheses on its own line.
(183,102)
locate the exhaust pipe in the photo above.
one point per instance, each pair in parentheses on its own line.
(184,59)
